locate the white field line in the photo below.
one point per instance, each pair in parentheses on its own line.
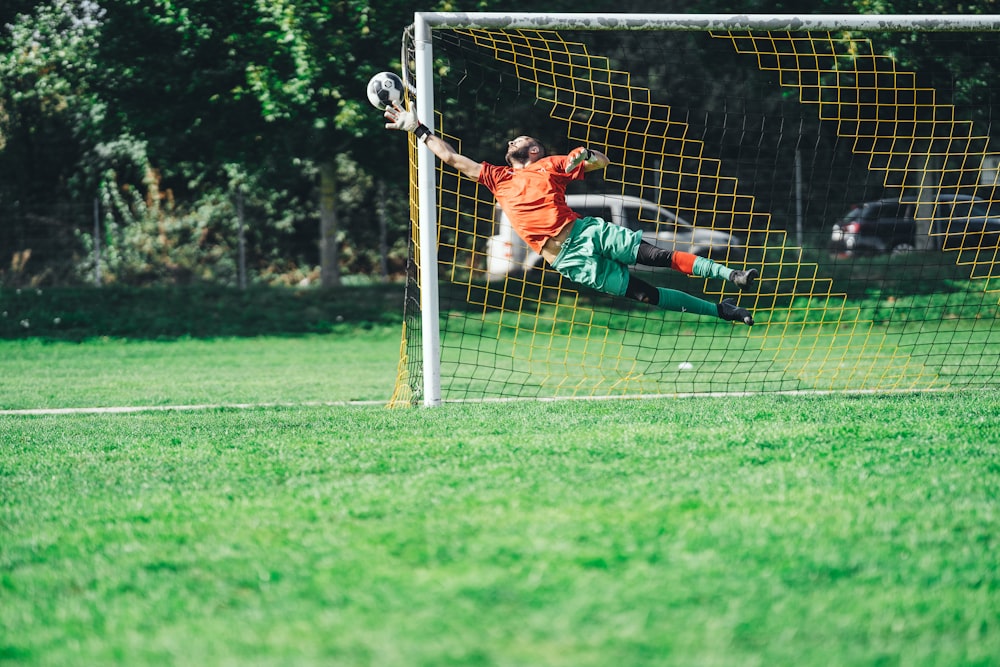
(125,409)
(711,394)
(121,409)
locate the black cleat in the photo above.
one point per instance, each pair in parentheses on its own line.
(744,279)
(729,311)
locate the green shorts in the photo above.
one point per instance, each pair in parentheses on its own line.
(597,254)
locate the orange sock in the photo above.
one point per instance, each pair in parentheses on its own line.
(683,262)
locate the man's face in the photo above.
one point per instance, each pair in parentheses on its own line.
(519,149)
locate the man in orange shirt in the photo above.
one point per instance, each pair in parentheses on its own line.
(531,190)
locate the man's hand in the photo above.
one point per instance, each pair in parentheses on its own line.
(590,160)
(400,118)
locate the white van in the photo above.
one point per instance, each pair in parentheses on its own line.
(507,254)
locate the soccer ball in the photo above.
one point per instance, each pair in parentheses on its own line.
(385,88)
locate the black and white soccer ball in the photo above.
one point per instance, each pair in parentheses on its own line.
(385,88)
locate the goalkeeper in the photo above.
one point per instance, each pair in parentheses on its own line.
(531,190)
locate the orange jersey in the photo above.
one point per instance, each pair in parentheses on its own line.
(534,198)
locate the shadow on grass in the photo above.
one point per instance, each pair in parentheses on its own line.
(163,313)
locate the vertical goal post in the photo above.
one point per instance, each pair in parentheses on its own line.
(426,183)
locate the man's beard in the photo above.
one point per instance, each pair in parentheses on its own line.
(520,154)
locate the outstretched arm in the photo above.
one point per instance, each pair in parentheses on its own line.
(402,119)
(447,154)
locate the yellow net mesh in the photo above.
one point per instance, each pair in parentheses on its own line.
(820,327)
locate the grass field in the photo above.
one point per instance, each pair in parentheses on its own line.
(102,373)
(757,530)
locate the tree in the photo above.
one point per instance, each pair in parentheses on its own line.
(195,90)
(263,84)
(51,116)
(54,142)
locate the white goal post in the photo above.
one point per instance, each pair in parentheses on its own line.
(426,22)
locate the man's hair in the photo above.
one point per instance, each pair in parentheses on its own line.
(531,143)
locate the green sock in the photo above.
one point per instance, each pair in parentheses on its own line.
(706,268)
(682,302)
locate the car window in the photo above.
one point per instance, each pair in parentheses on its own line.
(957,210)
(888,210)
(871,212)
(966,209)
(980,210)
(647,218)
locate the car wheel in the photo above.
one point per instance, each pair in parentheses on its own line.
(902,248)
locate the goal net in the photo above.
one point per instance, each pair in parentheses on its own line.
(849,160)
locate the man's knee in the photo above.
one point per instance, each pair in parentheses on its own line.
(651,255)
(642,292)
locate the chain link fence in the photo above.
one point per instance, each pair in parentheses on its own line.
(80,244)
(50,245)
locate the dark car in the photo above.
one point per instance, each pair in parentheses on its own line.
(890,226)
(874,228)
(965,224)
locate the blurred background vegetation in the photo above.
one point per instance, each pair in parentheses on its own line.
(183,135)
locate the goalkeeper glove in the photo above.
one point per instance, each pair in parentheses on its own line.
(404,119)
(577,157)
(400,118)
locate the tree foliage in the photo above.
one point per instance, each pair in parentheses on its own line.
(167,110)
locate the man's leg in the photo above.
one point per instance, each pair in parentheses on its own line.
(693,265)
(729,311)
(682,302)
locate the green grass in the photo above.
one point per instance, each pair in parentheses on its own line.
(757,530)
(344,366)
(761,530)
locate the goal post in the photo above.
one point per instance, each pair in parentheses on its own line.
(427,220)
(830,317)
